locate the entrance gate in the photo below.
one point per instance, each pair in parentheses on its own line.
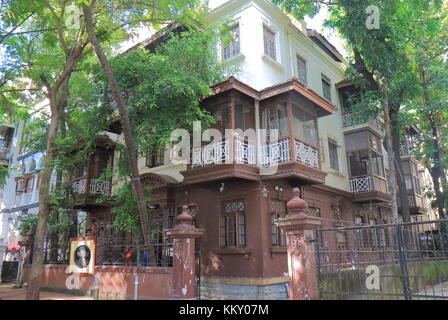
(389,261)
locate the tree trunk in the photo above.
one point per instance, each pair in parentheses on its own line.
(436,170)
(123,110)
(391,157)
(402,189)
(35,277)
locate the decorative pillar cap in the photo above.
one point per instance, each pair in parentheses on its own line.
(296,205)
(184,216)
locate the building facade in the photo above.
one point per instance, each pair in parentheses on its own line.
(290,79)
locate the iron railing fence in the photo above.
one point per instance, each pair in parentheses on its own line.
(400,261)
(113,248)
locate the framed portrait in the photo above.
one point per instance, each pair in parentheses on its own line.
(82,255)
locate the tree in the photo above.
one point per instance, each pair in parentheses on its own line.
(156,13)
(162,90)
(379,63)
(44,54)
(428,50)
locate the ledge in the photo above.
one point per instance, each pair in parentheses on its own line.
(272,62)
(232,60)
(278,250)
(234,251)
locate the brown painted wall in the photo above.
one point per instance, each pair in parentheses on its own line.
(115,282)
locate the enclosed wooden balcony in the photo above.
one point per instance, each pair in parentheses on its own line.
(90,183)
(283,121)
(367,179)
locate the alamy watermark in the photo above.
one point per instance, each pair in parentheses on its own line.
(373,278)
(373,20)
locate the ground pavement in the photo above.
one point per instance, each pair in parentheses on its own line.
(10,292)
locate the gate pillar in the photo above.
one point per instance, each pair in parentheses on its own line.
(184,235)
(302,268)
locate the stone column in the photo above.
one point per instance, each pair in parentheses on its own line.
(184,264)
(302,268)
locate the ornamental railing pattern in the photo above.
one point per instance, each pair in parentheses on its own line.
(361,184)
(244,152)
(276,152)
(220,152)
(348,120)
(96,186)
(367,183)
(405,150)
(307,154)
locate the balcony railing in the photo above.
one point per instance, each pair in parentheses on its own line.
(245,152)
(405,150)
(348,120)
(307,154)
(414,200)
(220,152)
(367,183)
(95,187)
(276,152)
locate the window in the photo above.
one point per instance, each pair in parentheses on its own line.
(278,235)
(233,224)
(232,48)
(304,125)
(20,186)
(244,117)
(359,234)
(373,233)
(276,117)
(269,43)
(221,115)
(301,70)
(377,162)
(326,88)
(358,162)
(333,151)
(29,183)
(155,158)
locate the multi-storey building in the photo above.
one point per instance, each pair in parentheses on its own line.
(6,137)
(291,79)
(21,191)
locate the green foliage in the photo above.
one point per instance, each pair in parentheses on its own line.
(27,223)
(163,90)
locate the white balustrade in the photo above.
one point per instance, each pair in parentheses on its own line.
(307,154)
(99,187)
(276,152)
(219,152)
(79,186)
(96,187)
(362,184)
(244,152)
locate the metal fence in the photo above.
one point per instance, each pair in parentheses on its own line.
(113,248)
(389,261)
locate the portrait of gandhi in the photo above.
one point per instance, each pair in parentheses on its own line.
(82,256)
